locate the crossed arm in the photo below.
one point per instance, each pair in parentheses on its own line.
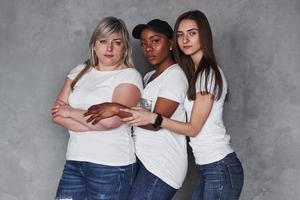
(73,119)
(165,107)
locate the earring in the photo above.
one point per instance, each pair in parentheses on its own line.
(171,48)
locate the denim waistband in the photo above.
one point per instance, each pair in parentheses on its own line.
(229,158)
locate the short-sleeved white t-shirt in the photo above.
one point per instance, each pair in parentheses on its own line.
(212,143)
(112,147)
(163,152)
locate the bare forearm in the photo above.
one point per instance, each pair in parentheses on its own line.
(77,115)
(178,127)
(175,126)
(200,112)
(70,124)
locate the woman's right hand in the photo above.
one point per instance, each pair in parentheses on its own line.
(55,108)
(140,116)
(101,111)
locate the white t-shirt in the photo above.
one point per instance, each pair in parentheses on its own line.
(163,152)
(212,143)
(112,147)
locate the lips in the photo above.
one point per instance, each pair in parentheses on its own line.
(150,57)
(186,47)
(108,55)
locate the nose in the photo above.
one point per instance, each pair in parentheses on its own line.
(185,39)
(148,47)
(109,46)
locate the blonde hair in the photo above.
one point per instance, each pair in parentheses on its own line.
(106,27)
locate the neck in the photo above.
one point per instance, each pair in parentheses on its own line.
(164,65)
(108,68)
(197,58)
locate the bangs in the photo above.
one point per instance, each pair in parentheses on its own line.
(108,30)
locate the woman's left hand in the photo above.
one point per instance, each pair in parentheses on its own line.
(57,104)
(140,116)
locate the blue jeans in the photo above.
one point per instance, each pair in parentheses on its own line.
(221,180)
(90,181)
(147,186)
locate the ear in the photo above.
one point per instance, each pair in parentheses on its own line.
(97,41)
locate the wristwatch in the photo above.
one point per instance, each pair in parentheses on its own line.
(158,121)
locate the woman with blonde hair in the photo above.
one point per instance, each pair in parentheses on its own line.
(100,159)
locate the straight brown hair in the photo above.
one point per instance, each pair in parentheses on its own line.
(207,64)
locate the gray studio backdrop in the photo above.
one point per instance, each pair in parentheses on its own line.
(257,45)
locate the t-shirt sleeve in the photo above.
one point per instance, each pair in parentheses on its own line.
(131,76)
(74,72)
(175,85)
(202,80)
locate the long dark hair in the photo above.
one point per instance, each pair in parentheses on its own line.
(208,63)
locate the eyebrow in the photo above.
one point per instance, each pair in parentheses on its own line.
(192,29)
(112,39)
(155,36)
(152,37)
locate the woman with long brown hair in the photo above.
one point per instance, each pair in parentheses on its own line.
(221,173)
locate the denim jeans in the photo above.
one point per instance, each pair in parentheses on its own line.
(221,180)
(147,186)
(90,181)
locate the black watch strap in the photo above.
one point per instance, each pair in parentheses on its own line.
(158,121)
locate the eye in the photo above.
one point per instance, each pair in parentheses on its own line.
(179,35)
(155,41)
(117,42)
(143,44)
(103,41)
(193,33)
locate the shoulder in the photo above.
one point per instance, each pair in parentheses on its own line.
(175,72)
(207,75)
(79,67)
(207,79)
(176,69)
(222,74)
(75,71)
(175,79)
(130,73)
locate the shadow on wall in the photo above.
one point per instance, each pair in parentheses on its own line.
(185,192)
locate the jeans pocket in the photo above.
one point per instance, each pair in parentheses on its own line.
(236,174)
(211,178)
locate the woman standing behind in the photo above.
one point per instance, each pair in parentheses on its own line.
(221,173)
(100,158)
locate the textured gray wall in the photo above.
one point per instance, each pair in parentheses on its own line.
(257,44)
